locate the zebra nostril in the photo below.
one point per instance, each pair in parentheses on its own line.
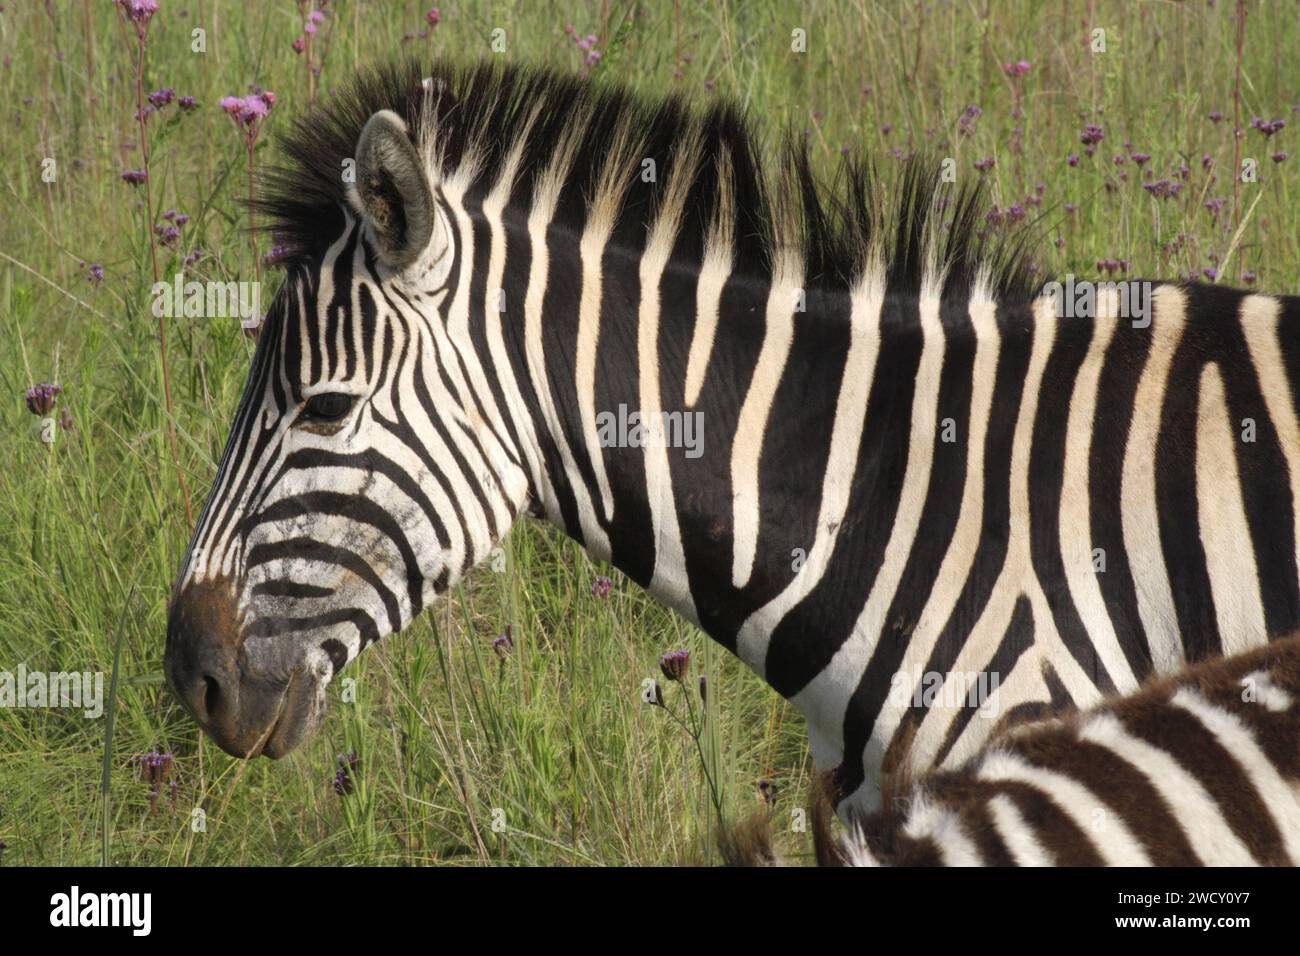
(210,700)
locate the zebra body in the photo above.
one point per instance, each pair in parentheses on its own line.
(909,463)
(1202,768)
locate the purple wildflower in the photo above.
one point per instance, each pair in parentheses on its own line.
(1267,127)
(503,644)
(984,164)
(135,177)
(138,11)
(1072,159)
(601,587)
(343,785)
(41,399)
(674,664)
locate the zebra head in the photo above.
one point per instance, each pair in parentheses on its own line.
(361,477)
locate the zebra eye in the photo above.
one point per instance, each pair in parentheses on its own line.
(328,406)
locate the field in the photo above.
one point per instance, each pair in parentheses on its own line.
(1116,148)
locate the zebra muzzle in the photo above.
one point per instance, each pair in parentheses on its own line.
(246,712)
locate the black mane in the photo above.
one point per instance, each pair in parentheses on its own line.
(482,109)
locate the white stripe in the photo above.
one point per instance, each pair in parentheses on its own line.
(1225,532)
(1016,833)
(935,822)
(1259,323)
(1278,795)
(708,296)
(594,537)
(1113,840)
(591,250)
(824,700)
(1197,813)
(866,299)
(1075,513)
(670,582)
(747,447)
(1137,495)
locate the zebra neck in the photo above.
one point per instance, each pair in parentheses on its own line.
(686,421)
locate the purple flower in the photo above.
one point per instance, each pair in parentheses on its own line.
(309,28)
(135,177)
(41,399)
(1210,274)
(601,587)
(343,785)
(1278,157)
(187,103)
(434,17)
(1215,206)
(299,45)
(1092,135)
(984,164)
(1072,159)
(1069,208)
(138,11)
(95,274)
(1267,127)
(316,16)
(1215,117)
(1248,278)
(1017,69)
(160,98)
(503,644)
(1163,188)
(674,664)
(1141,158)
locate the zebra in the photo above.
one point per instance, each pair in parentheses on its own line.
(1198,768)
(914,467)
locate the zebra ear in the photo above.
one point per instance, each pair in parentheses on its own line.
(393,191)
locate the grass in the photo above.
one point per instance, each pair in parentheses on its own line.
(548,757)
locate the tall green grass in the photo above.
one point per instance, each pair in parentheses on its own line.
(555,737)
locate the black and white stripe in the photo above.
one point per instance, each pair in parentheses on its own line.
(828,534)
(1199,769)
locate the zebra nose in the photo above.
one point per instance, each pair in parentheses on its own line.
(201,660)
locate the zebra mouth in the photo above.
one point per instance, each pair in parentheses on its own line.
(297,718)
